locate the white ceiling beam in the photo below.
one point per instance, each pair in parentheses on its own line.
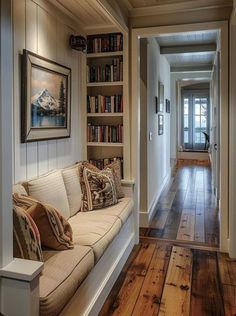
(195,68)
(201,48)
(111,14)
(183,6)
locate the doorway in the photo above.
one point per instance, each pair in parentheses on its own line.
(223,187)
(195,125)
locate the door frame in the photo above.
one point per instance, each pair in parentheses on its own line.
(137,33)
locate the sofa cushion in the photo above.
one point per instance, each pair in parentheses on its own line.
(63,272)
(50,189)
(94,230)
(73,190)
(122,210)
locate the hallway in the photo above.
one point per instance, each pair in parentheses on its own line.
(187,209)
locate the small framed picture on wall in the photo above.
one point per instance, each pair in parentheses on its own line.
(167,106)
(156,104)
(161,97)
(160,124)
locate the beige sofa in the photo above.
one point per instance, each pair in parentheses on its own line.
(97,235)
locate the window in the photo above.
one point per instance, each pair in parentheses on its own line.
(195,109)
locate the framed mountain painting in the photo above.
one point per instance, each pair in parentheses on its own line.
(46,100)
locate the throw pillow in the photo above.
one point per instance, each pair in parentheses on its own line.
(98,189)
(115,166)
(26,237)
(55,230)
(116,170)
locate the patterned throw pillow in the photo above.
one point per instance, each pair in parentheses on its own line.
(55,230)
(115,166)
(116,171)
(26,238)
(98,189)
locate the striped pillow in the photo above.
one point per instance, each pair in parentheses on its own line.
(26,237)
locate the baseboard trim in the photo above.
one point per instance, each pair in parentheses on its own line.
(145,218)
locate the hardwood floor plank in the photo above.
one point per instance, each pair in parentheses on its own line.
(211,226)
(227,268)
(187,224)
(229,292)
(199,230)
(159,220)
(206,296)
(176,294)
(109,306)
(150,296)
(133,281)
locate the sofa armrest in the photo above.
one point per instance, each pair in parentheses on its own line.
(20,287)
(128,187)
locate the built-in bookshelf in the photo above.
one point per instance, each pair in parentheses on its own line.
(107,107)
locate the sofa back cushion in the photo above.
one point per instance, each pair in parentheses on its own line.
(19,188)
(50,189)
(73,190)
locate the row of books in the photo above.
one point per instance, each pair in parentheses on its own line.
(106,73)
(102,163)
(105,43)
(105,133)
(105,104)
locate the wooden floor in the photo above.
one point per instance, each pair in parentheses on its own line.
(162,279)
(187,209)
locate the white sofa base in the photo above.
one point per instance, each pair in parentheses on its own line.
(92,293)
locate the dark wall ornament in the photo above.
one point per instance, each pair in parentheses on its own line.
(46,99)
(167,106)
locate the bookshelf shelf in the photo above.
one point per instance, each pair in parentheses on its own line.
(97,144)
(105,114)
(103,84)
(105,54)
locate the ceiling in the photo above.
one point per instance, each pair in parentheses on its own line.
(189,51)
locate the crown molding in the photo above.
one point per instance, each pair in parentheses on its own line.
(183,6)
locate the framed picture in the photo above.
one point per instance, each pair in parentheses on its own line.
(46,99)
(156,104)
(161,97)
(160,124)
(167,106)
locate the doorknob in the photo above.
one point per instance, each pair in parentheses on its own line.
(215,146)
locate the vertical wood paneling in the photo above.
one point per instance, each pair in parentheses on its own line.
(31,44)
(43,50)
(19,150)
(39,31)
(52,54)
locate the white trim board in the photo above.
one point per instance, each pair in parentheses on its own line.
(222,27)
(145,218)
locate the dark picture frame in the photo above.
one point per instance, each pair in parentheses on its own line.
(160,124)
(160,97)
(156,104)
(46,99)
(167,106)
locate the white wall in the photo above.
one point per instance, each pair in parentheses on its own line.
(39,30)
(157,149)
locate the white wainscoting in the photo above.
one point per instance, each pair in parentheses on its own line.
(39,30)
